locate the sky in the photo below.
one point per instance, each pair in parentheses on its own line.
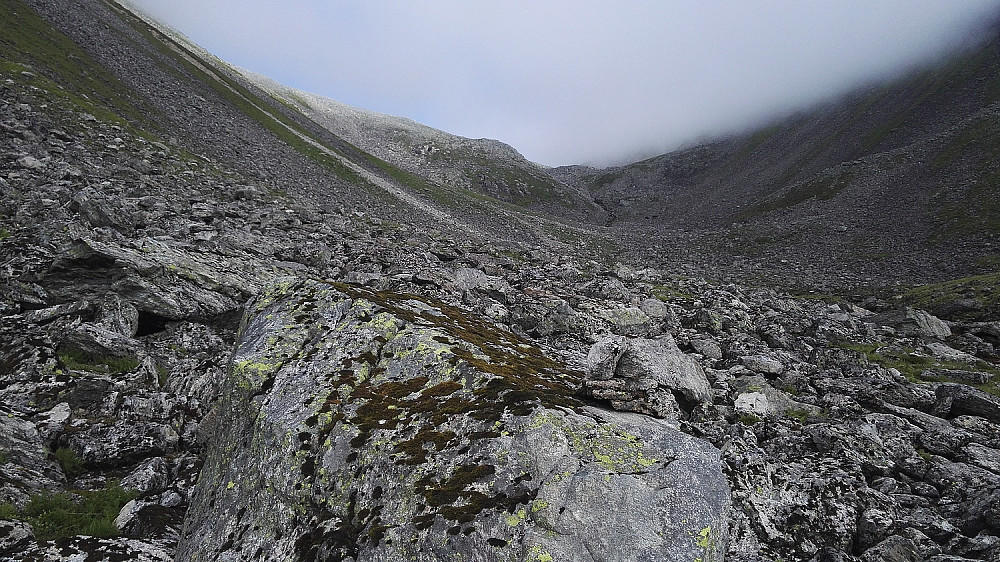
(579,81)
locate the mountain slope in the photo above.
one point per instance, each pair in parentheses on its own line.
(487,166)
(227,332)
(903,170)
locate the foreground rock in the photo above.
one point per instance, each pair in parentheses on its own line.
(381,426)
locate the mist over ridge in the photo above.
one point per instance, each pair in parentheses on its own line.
(580,83)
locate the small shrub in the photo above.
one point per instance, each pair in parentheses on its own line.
(801,415)
(749,419)
(162,374)
(8,511)
(71,464)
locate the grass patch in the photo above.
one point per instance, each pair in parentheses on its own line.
(821,188)
(983,289)
(63,69)
(755,140)
(827,298)
(8,512)
(912,365)
(78,361)
(803,416)
(666,293)
(72,465)
(67,514)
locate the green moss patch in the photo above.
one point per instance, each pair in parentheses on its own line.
(917,367)
(76,360)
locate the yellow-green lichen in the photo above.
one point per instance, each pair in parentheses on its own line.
(515,519)
(608,444)
(705,539)
(538,554)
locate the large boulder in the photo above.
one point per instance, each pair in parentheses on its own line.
(914,322)
(378,426)
(650,376)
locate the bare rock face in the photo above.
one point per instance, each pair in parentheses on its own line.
(380,426)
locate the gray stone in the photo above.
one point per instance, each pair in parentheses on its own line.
(763,364)
(707,346)
(16,537)
(914,322)
(152,476)
(655,309)
(118,315)
(98,343)
(630,321)
(371,429)
(30,163)
(650,376)
(959,399)
(27,469)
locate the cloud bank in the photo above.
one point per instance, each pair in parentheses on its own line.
(582,81)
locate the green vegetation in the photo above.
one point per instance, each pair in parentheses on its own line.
(4,234)
(668,293)
(920,368)
(820,188)
(8,512)
(803,415)
(976,211)
(55,63)
(756,140)
(79,361)
(523,186)
(748,419)
(66,514)
(983,289)
(72,465)
(598,181)
(162,374)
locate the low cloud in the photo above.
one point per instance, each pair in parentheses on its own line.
(583,81)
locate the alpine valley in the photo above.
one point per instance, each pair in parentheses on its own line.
(244,322)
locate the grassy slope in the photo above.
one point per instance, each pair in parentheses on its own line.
(58,65)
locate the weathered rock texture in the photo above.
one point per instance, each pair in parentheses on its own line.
(383,426)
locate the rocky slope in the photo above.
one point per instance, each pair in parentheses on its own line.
(897,180)
(207,350)
(483,165)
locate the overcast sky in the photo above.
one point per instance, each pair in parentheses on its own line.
(577,81)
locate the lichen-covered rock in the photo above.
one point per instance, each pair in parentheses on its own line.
(382,426)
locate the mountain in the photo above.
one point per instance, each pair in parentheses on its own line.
(898,176)
(485,166)
(241,322)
